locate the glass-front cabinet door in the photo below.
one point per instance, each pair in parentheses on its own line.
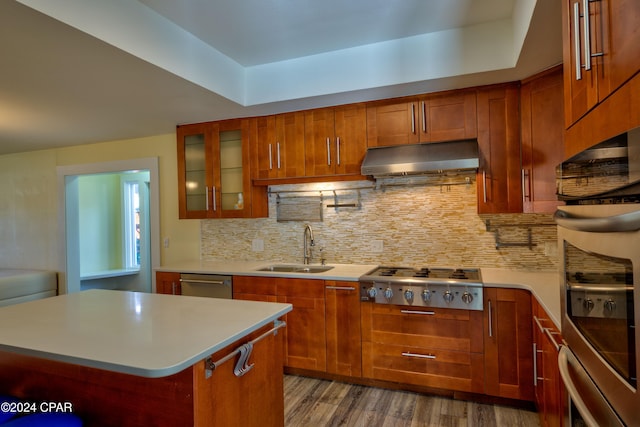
(232,180)
(213,170)
(195,179)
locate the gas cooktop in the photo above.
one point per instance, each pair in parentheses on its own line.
(426,274)
(459,288)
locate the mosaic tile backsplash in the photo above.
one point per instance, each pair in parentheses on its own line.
(400,222)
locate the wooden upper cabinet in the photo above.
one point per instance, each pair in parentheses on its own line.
(214,173)
(542,133)
(392,123)
(613,56)
(195,170)
(499,182)
(448,117)
(431,118)
(335,140)
(278,141)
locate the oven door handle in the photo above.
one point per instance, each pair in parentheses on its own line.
(570,370)
(624,222)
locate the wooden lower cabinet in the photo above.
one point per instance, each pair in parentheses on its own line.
(342,322)
(304,336)
(507,343)
(168,283)
(187,398)
(438,348)
(548,386)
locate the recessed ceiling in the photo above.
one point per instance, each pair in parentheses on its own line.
(77,72)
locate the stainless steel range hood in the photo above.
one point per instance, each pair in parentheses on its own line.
(421,158)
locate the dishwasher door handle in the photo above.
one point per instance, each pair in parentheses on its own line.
(207,282)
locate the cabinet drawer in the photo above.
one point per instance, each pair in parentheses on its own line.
(429,367)
(446,329)
(254,285)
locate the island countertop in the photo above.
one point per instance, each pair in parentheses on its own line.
(149,335)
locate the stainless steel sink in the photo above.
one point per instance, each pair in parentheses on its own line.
(296,268)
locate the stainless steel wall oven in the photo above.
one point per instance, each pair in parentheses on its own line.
(599,247)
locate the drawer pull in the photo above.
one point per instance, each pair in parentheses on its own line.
(341,288)
(418,355)
(429,313)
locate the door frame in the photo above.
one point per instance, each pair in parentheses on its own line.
(69,281)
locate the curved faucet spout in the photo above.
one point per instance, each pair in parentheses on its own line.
(307,244)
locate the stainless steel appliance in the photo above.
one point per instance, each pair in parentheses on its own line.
(607,172)
(600,297)
(206,285)
(425,287)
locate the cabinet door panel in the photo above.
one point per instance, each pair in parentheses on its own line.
(351,138)
(168,283)
(319,142)
(344,356)
(508,338)
(448,117)
(195,170)
(289,147)
(392,124)
(499,177)
(542,130)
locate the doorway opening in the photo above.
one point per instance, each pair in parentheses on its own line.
(109,225)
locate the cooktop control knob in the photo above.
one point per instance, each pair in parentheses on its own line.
(467,297)
(372,292)
(587,304)
(609,305)
(426,295)
(408,295)
(388,293)
(448,296)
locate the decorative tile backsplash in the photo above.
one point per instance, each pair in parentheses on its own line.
(400,222)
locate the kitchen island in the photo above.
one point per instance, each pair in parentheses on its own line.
(137,359)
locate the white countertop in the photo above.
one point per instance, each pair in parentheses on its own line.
(544,285)
(345,272)
(149,335)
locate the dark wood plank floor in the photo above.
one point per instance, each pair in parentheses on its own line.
(313,402)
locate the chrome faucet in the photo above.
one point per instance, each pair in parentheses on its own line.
(308,243)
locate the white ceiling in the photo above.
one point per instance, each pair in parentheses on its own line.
(83,71)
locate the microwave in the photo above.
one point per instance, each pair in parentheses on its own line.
(608,172)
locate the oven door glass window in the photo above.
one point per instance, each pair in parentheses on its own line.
(600,304)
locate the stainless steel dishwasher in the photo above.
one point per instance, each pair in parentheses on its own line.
(207,285)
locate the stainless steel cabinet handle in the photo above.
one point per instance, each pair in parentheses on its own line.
(490,320)
(270,158)
(419,356)
(535,364)
(173,288)
(341,288)
(413,118)
(206,197)
(526,184)
(587,34)
(576,39)
(427,313)
(484,186)
(550,335)
(423,111)
(328,152)
(278,154)
(338,150)
(213,190)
